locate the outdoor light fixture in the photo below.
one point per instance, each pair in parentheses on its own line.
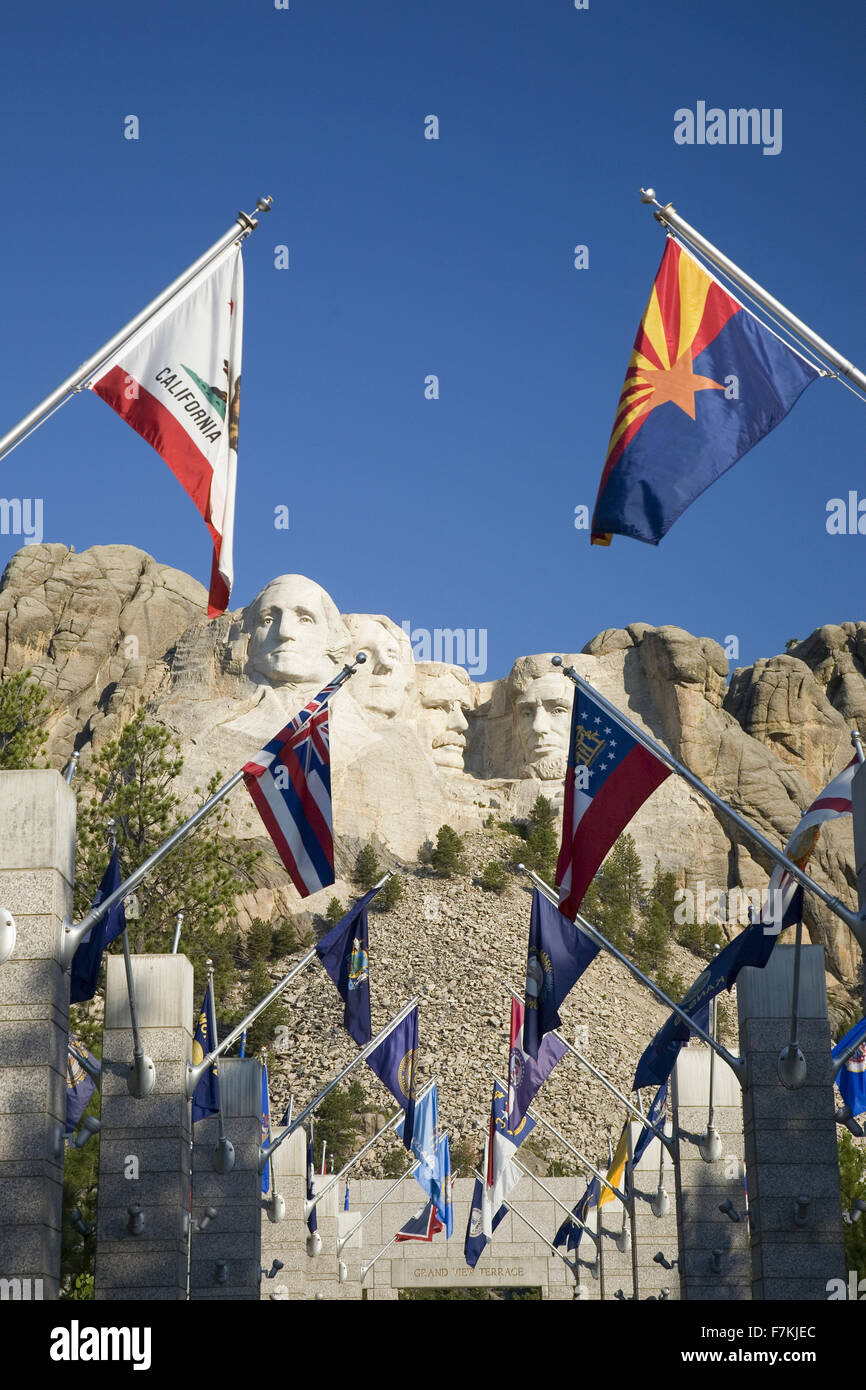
(801,1211)
(276,1207)
(665,1293)
(846,1118)
(792,1067)
(89,1126)
(7,934)
(729,1209)
(710,1145)
(661,1203)
(716,1261)
(342,1271)
(659,1259)
(314,1243)
(223,1160)
(274,1270)
(581,1292)
(858,1209)
(84,1228)
(135,1223)
(221,1272)
(623,1241)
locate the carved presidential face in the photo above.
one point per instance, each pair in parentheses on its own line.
(542,720)
(296,636)
(382,685)
(442,723)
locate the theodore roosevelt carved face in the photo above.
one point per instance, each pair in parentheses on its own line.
(445,694)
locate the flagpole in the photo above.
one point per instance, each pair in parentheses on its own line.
(410,1171)
(240,229)
(141,1076)
(558,1201)
(736,1064)
(629,1187)
(365,1269)
(73,935)
(851,919)
(178,923)
(398,1115)
(224,1155)
(669,217)
(371,1046)
(638,1115)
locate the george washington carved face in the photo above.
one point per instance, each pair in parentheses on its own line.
(295,633)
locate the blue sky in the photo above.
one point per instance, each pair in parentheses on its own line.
(455,257)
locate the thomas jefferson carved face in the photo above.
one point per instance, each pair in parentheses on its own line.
(445,696)
(542,718)
(296,635)
(382,685)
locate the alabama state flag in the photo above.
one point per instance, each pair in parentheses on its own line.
(705,382)
(177,382)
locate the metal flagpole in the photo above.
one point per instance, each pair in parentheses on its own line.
(73,935)
(398,1115)
(851,919)
(710,1144)
(638,1114)
(413,1168)
(736,1064)
(562,1205)
(177,927)
(669,217)
(365,1269)
(141,1077)
(629,1187)
(224,1155)
(238,231)
(371,1046)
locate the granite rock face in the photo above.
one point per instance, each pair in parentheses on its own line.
(418,744)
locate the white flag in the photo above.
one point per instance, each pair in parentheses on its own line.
(177,382)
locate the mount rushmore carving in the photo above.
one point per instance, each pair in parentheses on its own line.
(417,744)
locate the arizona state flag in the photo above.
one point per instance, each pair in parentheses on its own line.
(706,381)
(177,382)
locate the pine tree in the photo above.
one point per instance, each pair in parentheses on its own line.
(542,849)
(447,856)
(367,870)
(23,712)
(133,780)
(389,895)
(334,911)
(852,1178)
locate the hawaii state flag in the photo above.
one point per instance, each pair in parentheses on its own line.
(290,782)
(706,381)
(177,382)
(609,777)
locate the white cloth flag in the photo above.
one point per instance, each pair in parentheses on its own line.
(177,383)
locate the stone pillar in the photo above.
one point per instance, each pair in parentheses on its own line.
(656,1234)
(144,1144)
(234,1234)
(37,867)
(714,1249)
(791,1147)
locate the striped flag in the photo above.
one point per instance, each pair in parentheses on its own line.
(177,382)
(609,777)
(290,782)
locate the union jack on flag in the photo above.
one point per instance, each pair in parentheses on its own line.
(290,782)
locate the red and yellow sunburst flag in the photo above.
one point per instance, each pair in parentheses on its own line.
(705,382)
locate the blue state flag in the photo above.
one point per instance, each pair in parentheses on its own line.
(206,1098)
(475,1238)
(82,1070)
(425,1136)
(442,1191)
(658,1112)
(344,953)
(753,946)
(852,1078)
(87,960)
(571,1231)
(346,1197)
(558,954)
(394,1062)
(266,1128)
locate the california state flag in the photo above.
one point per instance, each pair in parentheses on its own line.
(177,381)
